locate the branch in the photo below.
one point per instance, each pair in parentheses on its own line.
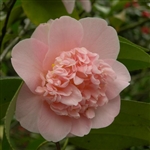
(58,146)
(6,21)
(133,25)
(14,41)
(8,47)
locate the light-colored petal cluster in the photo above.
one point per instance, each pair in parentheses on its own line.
(72,79)
(77,83)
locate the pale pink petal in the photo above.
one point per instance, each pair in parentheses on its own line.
(105,114)
(28,106)
(51,126)
(41,33)
(120,70)
(74,98)
(86,4)
(65,34)
(100,38)
(122,81)
(115,88)
(27,58)
(77,80)
(69,5)
(81,126)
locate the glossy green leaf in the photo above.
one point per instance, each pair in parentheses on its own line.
(118,5)
(133,56)
(122,39)
(8,88)
(9,116)
(15,14)
(41,11)
(130,128)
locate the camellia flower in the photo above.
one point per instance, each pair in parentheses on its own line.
(69,5)
(72,79)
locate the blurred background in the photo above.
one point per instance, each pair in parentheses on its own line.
(130,18)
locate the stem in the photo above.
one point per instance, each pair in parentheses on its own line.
(65,144)
(6,21)
(44,143)
(8,47)
(133,25)
(58,146)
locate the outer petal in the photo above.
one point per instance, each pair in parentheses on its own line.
(41,33)
(105,114)
(81,126)
(27,109)
(51,126)
(122,81)
(100,38)
(69,5)
(27,59)
(65,34)
(86,4)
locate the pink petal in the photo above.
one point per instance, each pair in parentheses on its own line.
(81,126)
(115,88)
(86,4)
(100,38)
(74,98)
(77,80)
(28,106)
(41,33)
(105,114)
(51,126)
(122,81)
(65,34)
(120,69)
(27,59)
(69,5)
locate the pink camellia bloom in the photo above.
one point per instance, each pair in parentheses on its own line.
(69,5)
(72,79)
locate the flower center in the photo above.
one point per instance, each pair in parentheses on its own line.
(77,83)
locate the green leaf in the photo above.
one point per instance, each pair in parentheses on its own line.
(130,128)
(15,14)
(118,5)
(5,144)
(102,9)
(34,143)
(41,11)
(9,116)
(133,56)
(8,88)
(115,22)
